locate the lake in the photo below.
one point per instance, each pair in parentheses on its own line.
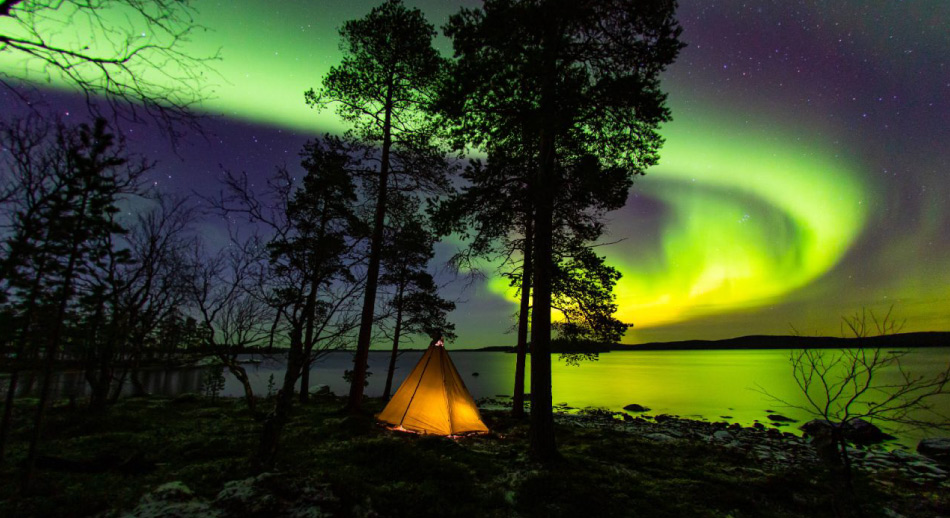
(722,385)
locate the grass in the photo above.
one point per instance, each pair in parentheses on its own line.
(370,469)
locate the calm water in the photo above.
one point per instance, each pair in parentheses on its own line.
(713,385)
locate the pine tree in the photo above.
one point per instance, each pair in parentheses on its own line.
(383,88)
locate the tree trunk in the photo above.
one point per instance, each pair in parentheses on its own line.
(100,381)
(543,447)
(517,406)
(53,346)
(304,395)
(241,374)
(15,374)
(11,389)
(392,358)
(372,271)
(8,411)
(308,343)
(274,424)
(119,385)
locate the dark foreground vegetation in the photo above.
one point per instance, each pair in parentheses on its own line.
(188,456)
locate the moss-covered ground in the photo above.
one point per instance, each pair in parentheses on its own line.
(373,471)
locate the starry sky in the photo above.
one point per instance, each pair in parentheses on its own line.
(806,173)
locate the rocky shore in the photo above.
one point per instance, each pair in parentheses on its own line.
(774,448)
(191,460)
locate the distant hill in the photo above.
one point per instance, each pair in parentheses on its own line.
(898,341)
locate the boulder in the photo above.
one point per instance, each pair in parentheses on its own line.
(817,427)
(859,431)
(856,431)
(320,390)
(779,418)
(937,448)
(172,499)
(723,436)
(659,437)
(633,407)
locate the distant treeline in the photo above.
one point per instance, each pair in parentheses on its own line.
(896,341)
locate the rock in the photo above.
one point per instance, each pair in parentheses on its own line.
(862,432)
(891,514)
(659,437)
(779,418)
(475,374)
(633,407)
(321,390)
(662,418)
(175,491)
(723,436)
(248,496)
(927,468)
(172,499)
(903,455)
(817,427)
(937,448)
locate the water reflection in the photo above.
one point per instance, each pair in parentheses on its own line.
(72,383)
(713,385)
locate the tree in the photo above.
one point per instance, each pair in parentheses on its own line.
(576,83)
(844,387)
(383,87)
(313,258)
(583,294)
(85,173)
(124,52)
(231,315)
(139,286)
(416,304)
(493,214)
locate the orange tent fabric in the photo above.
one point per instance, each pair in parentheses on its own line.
(433,399)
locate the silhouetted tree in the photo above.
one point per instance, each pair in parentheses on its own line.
(576,84)
(127,53)
(232,316)
(843,387)
(416,305)
(383,88)
(313,259)
(493,213)
(89,172)
(138,286)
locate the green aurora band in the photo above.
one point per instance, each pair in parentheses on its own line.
(747,221)
(750,213)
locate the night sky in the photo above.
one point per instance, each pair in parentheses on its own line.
(806,173)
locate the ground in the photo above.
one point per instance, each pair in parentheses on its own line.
(188,456)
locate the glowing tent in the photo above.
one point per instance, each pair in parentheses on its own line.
(433,399)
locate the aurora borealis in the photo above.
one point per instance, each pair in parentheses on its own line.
(806,173)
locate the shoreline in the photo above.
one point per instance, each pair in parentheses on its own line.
(187,456)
